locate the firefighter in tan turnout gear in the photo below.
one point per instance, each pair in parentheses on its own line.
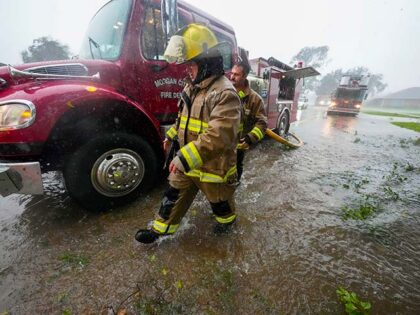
(254,119)
(207,131)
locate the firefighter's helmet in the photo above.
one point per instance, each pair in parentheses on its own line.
(191,42)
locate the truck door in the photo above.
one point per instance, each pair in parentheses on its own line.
(160,83)
(273,109)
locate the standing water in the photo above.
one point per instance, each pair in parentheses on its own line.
(341,211)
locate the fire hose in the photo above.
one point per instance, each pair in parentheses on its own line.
(290,139)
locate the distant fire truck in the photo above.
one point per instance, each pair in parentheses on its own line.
(101,119)
(349,95)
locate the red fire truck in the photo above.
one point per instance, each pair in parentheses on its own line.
(101,118)
(349,95)
(279,85)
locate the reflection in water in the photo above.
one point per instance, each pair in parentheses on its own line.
(299,115)
(336,122)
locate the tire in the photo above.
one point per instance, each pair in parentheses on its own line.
(283,124)
(110,170)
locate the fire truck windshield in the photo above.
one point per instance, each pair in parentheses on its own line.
(104,37)
(351,94)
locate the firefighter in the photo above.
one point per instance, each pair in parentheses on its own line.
(254,119)
(207,131)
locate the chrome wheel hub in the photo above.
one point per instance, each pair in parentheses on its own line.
(117,172)
(282,126)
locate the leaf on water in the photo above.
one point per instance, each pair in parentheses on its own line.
(351,302)
(179,284)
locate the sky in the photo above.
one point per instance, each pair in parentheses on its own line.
(382,35)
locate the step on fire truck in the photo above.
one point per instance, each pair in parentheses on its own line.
(349,95)
(101,118)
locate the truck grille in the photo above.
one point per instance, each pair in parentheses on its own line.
(75,69)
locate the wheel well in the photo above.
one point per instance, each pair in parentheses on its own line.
(80,124)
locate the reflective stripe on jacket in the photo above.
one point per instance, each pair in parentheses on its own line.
(255,119)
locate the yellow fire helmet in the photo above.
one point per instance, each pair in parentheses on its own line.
(189,43)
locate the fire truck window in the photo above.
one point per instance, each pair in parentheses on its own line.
(225,50)
(183,20)
(258,85)
(153,40)
(287,88)
(104,37)
(355,94)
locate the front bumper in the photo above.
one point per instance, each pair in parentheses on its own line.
(20,178)
(343,110)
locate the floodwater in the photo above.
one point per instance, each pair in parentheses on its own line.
(290,250)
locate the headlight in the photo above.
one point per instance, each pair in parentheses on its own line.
(16,114)
(357,105)
(332,104)
(322,102)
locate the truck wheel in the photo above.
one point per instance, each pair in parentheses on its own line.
(283,124)
(110,170)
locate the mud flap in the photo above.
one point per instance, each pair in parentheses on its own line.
(20,178)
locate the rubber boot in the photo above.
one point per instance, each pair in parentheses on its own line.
(146,236)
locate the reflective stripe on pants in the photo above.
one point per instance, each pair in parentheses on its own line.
(188,188)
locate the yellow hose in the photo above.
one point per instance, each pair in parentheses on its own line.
(282,140)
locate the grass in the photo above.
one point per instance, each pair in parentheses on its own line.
(379,113)
(71,259)
(362,212)
(408,125)
(352,304)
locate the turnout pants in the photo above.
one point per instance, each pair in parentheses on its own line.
(180,195)
(240,155)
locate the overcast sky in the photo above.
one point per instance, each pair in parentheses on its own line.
(382,35)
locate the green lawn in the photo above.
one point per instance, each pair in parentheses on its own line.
(378,113)
(409,125)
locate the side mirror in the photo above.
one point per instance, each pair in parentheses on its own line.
(169,11)
(366,96)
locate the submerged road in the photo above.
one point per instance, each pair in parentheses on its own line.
(293,245)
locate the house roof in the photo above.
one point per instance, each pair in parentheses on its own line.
(410,93)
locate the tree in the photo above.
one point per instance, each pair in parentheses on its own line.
(45,48)
(329,82)
(312,56)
